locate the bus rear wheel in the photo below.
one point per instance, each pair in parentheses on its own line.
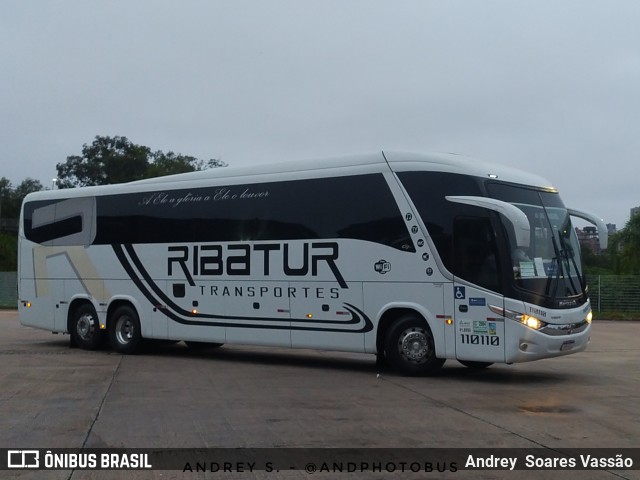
(410,348)
(124,330)
(85,328)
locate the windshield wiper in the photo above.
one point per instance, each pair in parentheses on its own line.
(554,261)
(565,252)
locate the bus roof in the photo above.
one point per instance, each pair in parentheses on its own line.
(454,163)
(345,165)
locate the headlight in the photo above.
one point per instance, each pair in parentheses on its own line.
(531,322)
(589,316)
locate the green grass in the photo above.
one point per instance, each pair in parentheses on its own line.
(616,315)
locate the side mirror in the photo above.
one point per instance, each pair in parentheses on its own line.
(603,232)
(516,216)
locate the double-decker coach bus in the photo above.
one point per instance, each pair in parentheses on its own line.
(415,258)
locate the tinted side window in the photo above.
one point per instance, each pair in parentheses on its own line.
(359,207)
(428,191)
(61,222)
(524,195)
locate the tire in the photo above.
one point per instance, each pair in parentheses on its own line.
(202,345)
(410,348)
(475,365)
(125,334)
(85,328)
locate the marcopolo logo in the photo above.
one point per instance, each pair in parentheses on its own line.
(23,459)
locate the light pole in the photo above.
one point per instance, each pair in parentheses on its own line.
(54,182)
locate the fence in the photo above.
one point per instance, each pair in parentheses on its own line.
(615,293)
(609,293)
(8,290)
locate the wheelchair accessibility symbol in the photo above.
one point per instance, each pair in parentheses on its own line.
(459,293)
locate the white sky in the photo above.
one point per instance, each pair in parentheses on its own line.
(550,86)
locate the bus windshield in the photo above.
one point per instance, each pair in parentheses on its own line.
(551,267)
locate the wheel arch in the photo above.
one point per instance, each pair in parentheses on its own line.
(394,312)
(75,304)
(87,332)
(119,301)
(126,337)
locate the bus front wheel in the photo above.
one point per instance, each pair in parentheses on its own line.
(410,348)
(124,330)
(85,328)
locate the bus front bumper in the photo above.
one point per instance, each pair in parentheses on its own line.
(529,344)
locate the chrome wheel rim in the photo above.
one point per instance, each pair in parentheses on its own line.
(86,326)
(413,345)
(124,330)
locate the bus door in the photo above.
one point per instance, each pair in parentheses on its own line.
(479,332)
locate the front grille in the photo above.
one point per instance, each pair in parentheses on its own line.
(555,330)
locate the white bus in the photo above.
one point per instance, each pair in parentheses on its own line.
(415,258)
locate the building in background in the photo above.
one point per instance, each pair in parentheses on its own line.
(588,238)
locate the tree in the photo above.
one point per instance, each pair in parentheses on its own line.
(11,198)
(5,194)
(601,264)
(626,247)
(27,186)
(107,160)
(171,163)
(8,252)
(111,160)
(10,202)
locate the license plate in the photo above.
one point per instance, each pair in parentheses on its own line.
(568,345)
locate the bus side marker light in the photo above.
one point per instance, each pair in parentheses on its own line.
(194,311)
(103,326)
(309,315)
(448,320)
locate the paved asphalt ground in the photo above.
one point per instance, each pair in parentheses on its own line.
(52,396)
